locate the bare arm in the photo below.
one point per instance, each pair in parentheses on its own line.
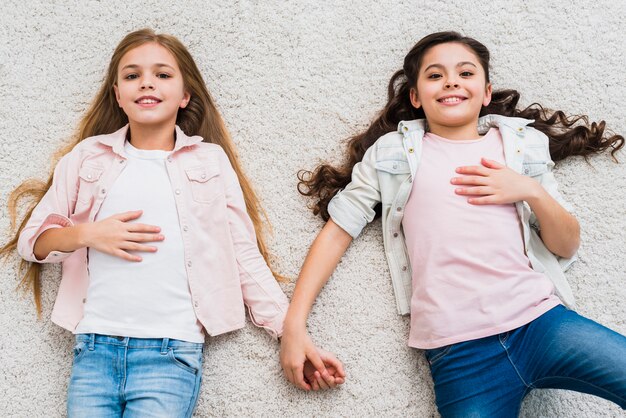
(296,346)
(560,231)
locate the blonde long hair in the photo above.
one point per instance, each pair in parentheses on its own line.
(200,117)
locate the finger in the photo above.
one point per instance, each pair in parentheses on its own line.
(128,216)
(142,228)
(288,374)
(298,378)
(329,381)
(137,237)
(474,191)
(316,360)
(126,256)
(473,169)
(333,362)
(132,246)
(470,180)
(485,200)
(322,383)
(314,384)
(491,163)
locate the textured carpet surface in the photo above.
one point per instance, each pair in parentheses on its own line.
(293,80)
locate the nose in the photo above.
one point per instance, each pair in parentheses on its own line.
(451,84)
(147,85)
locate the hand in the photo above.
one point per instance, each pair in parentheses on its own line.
(333,367)
(492,183)
(116,235)
(306,366)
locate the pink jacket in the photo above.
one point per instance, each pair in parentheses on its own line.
(224,266)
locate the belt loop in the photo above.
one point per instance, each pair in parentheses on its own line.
(92,342)
(166,342)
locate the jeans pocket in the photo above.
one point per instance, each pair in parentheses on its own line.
(188,360)
(79,350)
(436,354)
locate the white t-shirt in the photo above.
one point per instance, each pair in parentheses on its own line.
(151,298)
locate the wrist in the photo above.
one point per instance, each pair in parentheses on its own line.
(81,234)
(293,326)
(535,192)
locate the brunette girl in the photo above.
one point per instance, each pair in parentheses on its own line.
(476,235)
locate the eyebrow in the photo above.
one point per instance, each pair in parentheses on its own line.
(135,66)
(460,64)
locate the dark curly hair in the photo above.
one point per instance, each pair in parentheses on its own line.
(569,135)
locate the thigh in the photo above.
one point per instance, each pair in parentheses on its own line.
(475,379)
(564,350)
(94,388)
(163,383)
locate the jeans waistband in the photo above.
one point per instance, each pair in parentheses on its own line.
(133,342)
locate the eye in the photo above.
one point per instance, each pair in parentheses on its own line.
(467,74)
(434,76)
(163,75)
(131,76)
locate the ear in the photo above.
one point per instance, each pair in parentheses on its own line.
(415,101)
(487,99)
(186,99)
(117,94)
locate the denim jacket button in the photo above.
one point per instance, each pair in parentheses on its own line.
(403,268)
(395,234)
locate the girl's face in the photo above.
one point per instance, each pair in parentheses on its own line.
(150,87)
(451,89)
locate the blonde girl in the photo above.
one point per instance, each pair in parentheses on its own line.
(159,233)
(476,235)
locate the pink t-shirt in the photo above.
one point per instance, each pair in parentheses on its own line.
(471,276)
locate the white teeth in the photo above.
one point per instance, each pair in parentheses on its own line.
(147,101)
(451,100)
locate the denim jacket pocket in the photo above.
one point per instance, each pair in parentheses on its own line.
(88,179)
(534,168)
(204,183)
(535,160)
(393,166)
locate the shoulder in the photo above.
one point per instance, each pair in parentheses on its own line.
(536,137)
(390,139)
(209,147)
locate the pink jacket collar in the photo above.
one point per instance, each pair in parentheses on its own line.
(116,139)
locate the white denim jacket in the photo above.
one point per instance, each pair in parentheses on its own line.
(386,173)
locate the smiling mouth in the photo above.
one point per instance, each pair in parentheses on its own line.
(147,100)
(451,99)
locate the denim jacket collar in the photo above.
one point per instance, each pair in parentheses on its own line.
(484,123)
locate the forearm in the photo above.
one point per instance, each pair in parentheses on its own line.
(560,231)
(323,257)
(65,239)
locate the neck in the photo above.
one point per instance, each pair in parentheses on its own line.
(150,137)
(455,132)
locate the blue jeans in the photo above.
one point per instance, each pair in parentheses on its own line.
(133,377)
(489,377)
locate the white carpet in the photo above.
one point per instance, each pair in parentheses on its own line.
(293,79)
